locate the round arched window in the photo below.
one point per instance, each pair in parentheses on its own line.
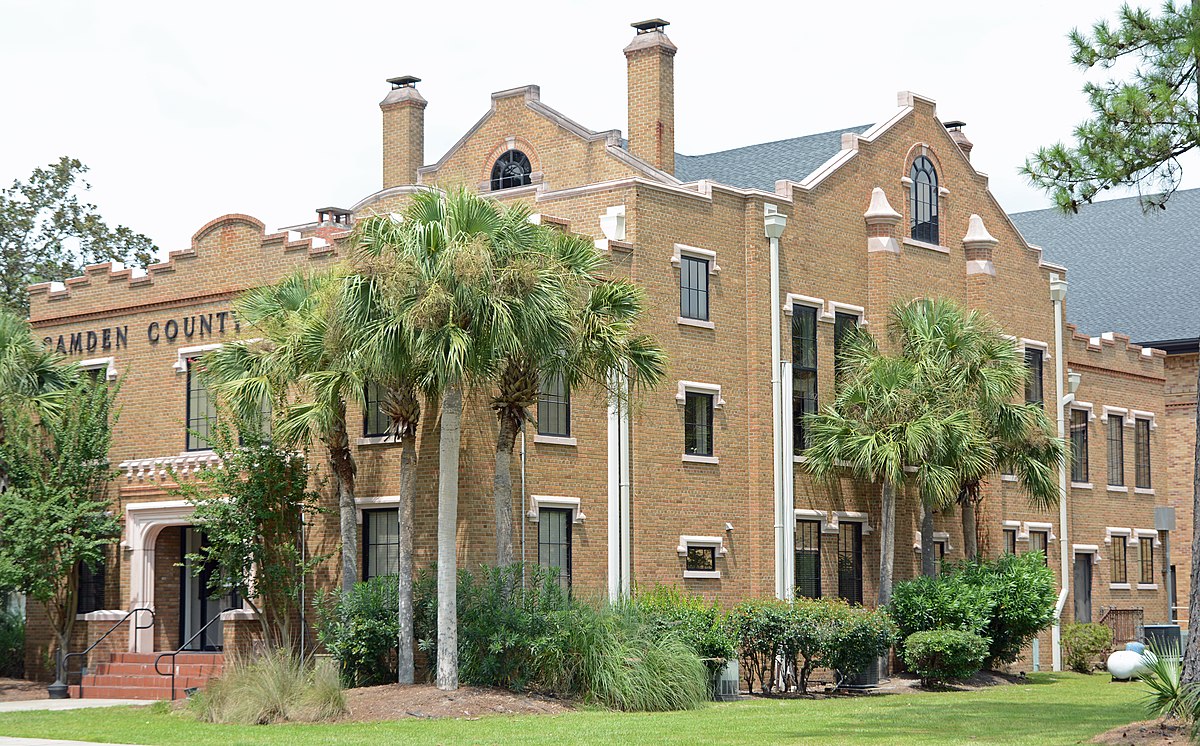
(511,170)
(923,204)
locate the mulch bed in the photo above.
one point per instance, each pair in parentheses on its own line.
(12,690)
(904,683)
(1146,733)
(395,702)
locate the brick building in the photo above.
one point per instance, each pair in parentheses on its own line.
(694,484)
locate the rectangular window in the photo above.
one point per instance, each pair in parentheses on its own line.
(693,288)
(554,542)
(939,547)
(804,372)
(1141,452)
(375,423)
(90,596)
(381,543)
(1079,445)
(842,324)
(201,408)
(554,407)
(1033,383)
(1116,450)
(808,559)
(697,424)
(1039,541)
(1010,541)
(850,579)
(701,559)
(1146,560)
(1119,574)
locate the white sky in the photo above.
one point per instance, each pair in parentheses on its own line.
(187,111)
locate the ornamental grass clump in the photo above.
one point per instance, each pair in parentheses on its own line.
(278,686)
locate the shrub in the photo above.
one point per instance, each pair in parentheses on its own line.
(859,636)
(275,687)
(944,655)
(944,602)
(760,627)
(668,610)
(1083,643)
(1022,591)
(360,630)
(12,644)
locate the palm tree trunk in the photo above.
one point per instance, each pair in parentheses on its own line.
(1191,658)
(928,550)
(969,529)
(887,541)
(502,490)
(447,558)
(342,465)
(404,554)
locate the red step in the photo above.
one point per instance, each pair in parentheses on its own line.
(132,676)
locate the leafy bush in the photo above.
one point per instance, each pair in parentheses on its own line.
(760,627)
(1083,643)
(360,630)
(1022,590)
(276,687)
(666,610)
(859,636)
(944,655)
(1007,601)
(12,644)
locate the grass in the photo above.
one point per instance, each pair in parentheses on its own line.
(1050,709)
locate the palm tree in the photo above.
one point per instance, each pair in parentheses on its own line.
(604,313)
(886,426)
(459,277)
(304,349)
(33,379)
(965,358)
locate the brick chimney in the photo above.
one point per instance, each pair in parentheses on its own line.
(403,132)
(960,137)
(651,62)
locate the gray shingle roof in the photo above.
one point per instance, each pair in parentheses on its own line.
(759,166)
(1130,272)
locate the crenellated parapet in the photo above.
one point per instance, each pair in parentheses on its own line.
(1113,352)
(227,255)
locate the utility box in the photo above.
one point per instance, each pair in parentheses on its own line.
(728,682)
(1162,637)
(1164,518)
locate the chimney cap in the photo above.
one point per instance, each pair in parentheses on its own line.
(954,125)
(646,27)
(404,81)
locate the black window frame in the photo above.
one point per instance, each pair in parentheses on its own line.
(1079,446)
(1042,537)
(695,402)
(375,423)
(1115,438)
(805,378)
(706,553)
(565,515)
(1035,379)
(1010,541)
(387,516)
(553,406)
(924,194)
(89,595)
(1141,454)
(808,557)
(198,426)
(843,323)
(503,174)
(693,288)
(1146,560)
(1119,559)
(850,564)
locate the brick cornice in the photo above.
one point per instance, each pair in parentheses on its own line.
(126,310)
(1116,373)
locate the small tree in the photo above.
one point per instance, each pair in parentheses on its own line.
(55,514)
(252,509)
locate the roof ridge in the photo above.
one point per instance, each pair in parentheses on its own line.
(856,128)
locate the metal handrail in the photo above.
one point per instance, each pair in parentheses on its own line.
(181,649)
(58,690)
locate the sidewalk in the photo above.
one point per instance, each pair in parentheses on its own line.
(25,705)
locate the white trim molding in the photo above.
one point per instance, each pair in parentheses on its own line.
(554,440)
(1085,406)
(938,538)
(852,516)
(682,250)
(695,387)
(1091,549)
(1108,411)
(572,504)
(685,321)
(375,502)
(1081,485)
(836,307)
(1022,532)
(1040,526)
(1143,490)
(795,299)
(184,355)
(715,542)
(1037,345)
(1146,533)
(1112,532)
(109,364)
(1139,414)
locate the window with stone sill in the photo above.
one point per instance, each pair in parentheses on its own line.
(1146,560)
(1141,452)
(1035,377)
(698,424)
(701,559)
(554,407)
(1079,446)
(375,423)
(1117,555)
(511,170)
(201,409)
(1039,541)
(804,373)
(1116,450)
(808,559)
(923,201)
(693,288)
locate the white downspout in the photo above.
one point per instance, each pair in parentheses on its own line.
(614,491)
(624,452)
(1058,293)
(789,485)
(524,507)
(773,225)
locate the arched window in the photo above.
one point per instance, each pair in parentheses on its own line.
(511,170)
(923,202)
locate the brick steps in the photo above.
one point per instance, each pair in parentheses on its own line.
(132,676)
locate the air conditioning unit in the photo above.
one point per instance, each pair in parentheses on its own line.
(729,682)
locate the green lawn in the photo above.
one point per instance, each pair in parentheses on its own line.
(1050,709)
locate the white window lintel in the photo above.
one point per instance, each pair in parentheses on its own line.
(185,355)
(1139,414)
(556,501)
(695,387)
(682,250)
(852,516)
(1107,411)
(108,364)
(1036,344)
(1039,526)
(1085,406)
(1111,532)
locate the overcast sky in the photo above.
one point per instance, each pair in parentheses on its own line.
(187,111)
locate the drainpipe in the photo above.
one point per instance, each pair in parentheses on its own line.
(773,225)
(524,506)
(614,491)
(1058,293)
(626,507)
